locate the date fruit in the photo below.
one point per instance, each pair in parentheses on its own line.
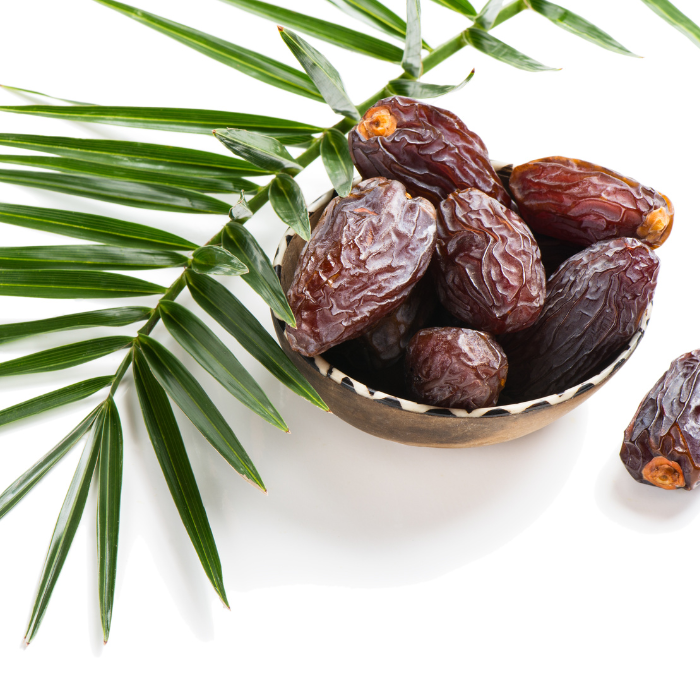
(430,150)
(595,303)
(584,203)
(661,446)
(487,265)
(455,368)
(365,255)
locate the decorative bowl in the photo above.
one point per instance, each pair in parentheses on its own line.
(410,423)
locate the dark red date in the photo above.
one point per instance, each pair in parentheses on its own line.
(455,368)
(661,446)
(429,149)
(487,265)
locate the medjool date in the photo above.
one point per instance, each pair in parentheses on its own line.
(595,303)
(365,255)
(661,446)
(430,150)
(487,265)
(584,203)
(455,368)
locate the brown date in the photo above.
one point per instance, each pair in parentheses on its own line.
(429,149)
(365,255)
(455,368)
(487,265)
(595,303)
(661,446)
(584,203)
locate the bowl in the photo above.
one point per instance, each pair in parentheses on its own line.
(400,420)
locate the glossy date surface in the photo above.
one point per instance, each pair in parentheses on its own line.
(661,446)
(595,303)
(429,150)
(487,265)
(584,203)
(365,255)
(455,368)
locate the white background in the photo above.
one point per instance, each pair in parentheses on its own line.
(536,568)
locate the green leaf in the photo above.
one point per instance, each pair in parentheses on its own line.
(337,161)
(89,319)
(509,11)
(287,200)
(172,457)
(251,63)
(419,91)
(188,394)
(66,526)
(42,94)
(324,75)
(214,260)
(54,399)
(109,490)
(86,257)
(486,18)
(411,61)
(188,121)
(65,356)
(67,284)
(484,42)
(240,211)
(91,227)
(671,14)
(153,177)
(195,337)
(261,275)
(128,193)
(258,149)
(19,488)
(577,25)
(151,156)
(226,310)
(462,6)
(327,31)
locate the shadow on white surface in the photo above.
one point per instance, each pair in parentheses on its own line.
(641,507)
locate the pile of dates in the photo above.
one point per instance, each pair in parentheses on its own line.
(437,281)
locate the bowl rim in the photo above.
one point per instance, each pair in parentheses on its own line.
(323,367)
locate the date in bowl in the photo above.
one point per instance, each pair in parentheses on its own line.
(401,420)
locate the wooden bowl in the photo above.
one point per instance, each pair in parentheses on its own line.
(411,423)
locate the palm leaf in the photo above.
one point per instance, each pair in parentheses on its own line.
(509,11)
(19,488)
(42,94)
(261,150)
(240,211)
(324,75)
(486,18)
(172,457)
(484,42)
(327,31)
(226,310)
(100,229)
(122,316)
(249,62)
(411,61)
(66,284)
(119,192)
(195,337)
(261,275)
(671,14)
(188,394)
(214,260)
(54,399)
(65,356)
(109,489)
(66,526)
(337,161)
(462,6)
(87,257)
(287,200)
(420,91)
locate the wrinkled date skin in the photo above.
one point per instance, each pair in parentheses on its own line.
(583,203)
(455,368)
(487,265)
(661,446)
(384,345)
(595,303)
(365,255)
(429,149)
